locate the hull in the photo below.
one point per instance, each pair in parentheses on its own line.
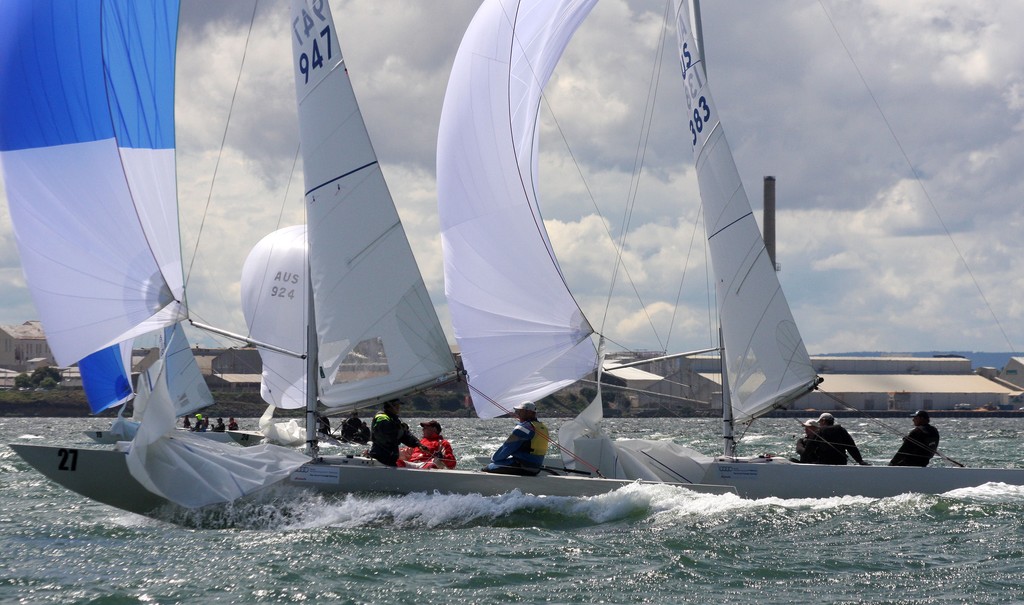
(777,477)
(780,478)
(103,475)
(244,438)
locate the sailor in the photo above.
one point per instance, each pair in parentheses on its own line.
(523,452)
(434,452)
(920,445)
(323,425)
(232,425)
(835,442)
(354,429)
(185,424)
(219,427)
(200,425)
(388,432)
(807,446)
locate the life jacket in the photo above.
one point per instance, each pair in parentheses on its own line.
(541,440)
(381,417)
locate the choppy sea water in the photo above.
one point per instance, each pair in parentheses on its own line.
(642,544)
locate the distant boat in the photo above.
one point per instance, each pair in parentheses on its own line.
(176,365)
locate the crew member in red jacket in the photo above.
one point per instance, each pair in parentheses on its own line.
(434,450)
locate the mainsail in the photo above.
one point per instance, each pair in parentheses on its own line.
(87,145)
(378,333)
(765,361)
(521,333)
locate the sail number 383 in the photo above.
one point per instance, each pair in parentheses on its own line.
(302,27)
(701,116)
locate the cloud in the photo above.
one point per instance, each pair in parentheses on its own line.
(884,137)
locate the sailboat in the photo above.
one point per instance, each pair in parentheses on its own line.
(107,370)
(355,238)
(765,363)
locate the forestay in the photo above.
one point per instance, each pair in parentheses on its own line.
(88,154)
(377,329)
(766,363)
(520,332)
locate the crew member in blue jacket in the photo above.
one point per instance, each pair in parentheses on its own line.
(523,452)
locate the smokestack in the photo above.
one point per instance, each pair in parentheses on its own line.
(769,218)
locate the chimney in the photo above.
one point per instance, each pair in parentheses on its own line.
(769,219)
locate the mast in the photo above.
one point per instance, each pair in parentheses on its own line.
(312,382)
(728,440)
(699,32)
(728,424)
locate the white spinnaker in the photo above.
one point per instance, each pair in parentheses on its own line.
(520,332)
(275,301)
(377,329)
(765,359)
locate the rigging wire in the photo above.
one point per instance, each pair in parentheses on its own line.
(682,279)
(917,175)
(223,142)
(634,185)
(640,154)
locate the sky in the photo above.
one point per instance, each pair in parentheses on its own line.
(894,130)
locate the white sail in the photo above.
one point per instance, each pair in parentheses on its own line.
(766,363)
(376,325)
(192,471)
(91,180)
(185,384)
(520,332)
(275,291)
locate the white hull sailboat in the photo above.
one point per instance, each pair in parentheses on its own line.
(765,363)
(354,315)
(78,469)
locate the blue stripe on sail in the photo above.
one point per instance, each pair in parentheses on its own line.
(104,378)
(51,74)
(138,42)
(52,85)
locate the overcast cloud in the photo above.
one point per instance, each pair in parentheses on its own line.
(867,263)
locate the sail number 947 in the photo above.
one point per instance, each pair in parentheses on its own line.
(302,27)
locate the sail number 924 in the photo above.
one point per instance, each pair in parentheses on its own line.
(302,27)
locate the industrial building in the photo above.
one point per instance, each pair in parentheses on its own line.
(885,383)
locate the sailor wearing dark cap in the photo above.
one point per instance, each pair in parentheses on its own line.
(920,445)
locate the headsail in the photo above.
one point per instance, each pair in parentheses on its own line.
(765,360)
(91,179)
(377,329)
(521,334)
